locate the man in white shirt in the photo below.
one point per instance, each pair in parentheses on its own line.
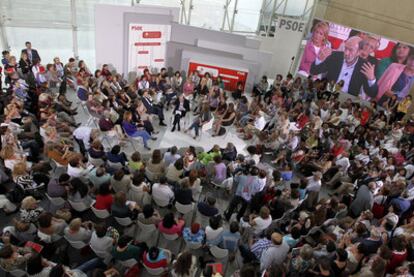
(355,72)
(313,187)
(101,244)
(342,163)
(162,193)
(83,136)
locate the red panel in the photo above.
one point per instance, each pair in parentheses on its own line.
(229,76)
(143,52)
(158,60)
(156,34)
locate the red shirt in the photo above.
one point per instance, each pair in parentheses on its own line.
(302,121)
(337,150)
(397,259)
(364,117)
(104,202)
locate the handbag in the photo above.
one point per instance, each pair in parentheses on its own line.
(378,210)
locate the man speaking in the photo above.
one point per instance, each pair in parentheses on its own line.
(357,73)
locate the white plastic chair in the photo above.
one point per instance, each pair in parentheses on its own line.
(79,206)
(218,253)
(44,237)
(128,263)
(184,209)
(170,237)
(155,271)
(124,221)
(115,166)
(160,202)
(146,231)
(95,162)
(102,214)
(193,245)
(76,244)
(56,201)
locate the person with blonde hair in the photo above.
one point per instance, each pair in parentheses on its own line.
(10,157)
(78,231)
(315,44)
(30,210)
(22,177)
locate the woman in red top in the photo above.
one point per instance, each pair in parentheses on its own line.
(399,254)
(104,198)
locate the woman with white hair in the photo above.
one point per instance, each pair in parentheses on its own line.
(78,231)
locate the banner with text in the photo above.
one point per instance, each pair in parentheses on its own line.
(147,45)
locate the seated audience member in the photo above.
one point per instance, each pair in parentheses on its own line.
(194,183)
(185,265)
(116,156)
(153,108)
(30,210)
(12,258)
(79,192)
(120,208)
(38,266)
(51,226)
(208,207)
(183,194)
(156,258)
(58,187)
(121,181)
(194,234)
(225,120)
(231,238)
(104,198)
(97,150)
(149,215)
(162,193)
(139,189)
(171,156)
(77,169)
(135,163)
(156,165)
(261,222)
(214,231)
(126,250)
(78,231)
(201,119)
(175,171)
(181,107)
(169,225)
(98,176)
(100,241)
(135,130)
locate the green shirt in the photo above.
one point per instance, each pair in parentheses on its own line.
(132,252)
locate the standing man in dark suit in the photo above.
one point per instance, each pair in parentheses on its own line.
(153,108)
(31,53)
(348,66)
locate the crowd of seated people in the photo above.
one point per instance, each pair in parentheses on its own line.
(324,189)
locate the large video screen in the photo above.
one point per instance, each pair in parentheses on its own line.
(366,65)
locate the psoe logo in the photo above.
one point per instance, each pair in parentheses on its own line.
(136,28)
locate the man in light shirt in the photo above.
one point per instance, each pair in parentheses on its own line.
(162,193)
(342,163)
(348,66)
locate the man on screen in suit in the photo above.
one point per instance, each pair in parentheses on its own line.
(31,53)
(356,72)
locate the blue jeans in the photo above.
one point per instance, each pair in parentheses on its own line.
(196,127)
(143,134)
(91,265)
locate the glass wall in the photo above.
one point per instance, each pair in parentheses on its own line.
(48,23)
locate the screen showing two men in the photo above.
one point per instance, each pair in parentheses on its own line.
(359,63)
